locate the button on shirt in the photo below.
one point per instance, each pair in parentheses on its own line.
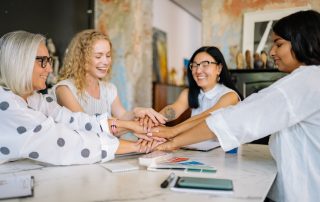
(290,110)
(41,130)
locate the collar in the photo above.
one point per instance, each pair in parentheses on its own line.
(211,93)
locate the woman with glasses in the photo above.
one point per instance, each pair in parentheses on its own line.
(289,109)
(210,88)
(84,84)
(34,126)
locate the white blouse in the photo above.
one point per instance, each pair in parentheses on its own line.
(210,98)
(290,110)
(91,105)
(207,100)
(41,130)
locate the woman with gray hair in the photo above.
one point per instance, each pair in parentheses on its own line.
(34,126)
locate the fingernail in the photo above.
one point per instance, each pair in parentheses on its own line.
(149,134)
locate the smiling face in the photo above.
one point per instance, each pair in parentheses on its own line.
(100,60)
(206,77)
(40,74)
(283,55)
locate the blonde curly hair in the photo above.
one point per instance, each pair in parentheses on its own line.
(78,57)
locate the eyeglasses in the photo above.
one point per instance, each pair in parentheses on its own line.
(44,60)
(204,65)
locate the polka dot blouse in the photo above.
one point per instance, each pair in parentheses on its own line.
(41,130)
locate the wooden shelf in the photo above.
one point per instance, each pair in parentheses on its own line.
(252,70)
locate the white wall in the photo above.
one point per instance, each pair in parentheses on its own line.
(183,32)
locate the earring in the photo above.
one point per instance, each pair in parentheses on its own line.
(218,78)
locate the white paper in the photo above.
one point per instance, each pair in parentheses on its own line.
(12,186)
(121,166)
(154,157)
(203,146)
(18,166)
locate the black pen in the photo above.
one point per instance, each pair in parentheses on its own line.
(165,183)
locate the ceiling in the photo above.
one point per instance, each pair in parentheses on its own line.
(193,7)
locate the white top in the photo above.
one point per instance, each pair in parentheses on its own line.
(210,98)
(290,109)
(207,100)
(91,105)
(42,130)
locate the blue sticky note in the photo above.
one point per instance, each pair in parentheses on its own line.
(191,163)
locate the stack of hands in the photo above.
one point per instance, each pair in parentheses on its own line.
(151,131)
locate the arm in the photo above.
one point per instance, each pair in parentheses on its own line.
(170,112)
(126,146)
(227,99)
(280,107)
(37,136)
(119,112)
(80,121)
(67,99)
(46,105)
(140,146)
(188,137)
(123,126)
(173,111)
(29,133)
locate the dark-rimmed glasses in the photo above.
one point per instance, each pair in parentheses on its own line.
(44,60)
(204,64)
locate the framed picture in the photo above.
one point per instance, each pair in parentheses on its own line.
(159,58)
(257,28)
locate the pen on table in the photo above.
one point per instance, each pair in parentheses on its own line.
(167,181)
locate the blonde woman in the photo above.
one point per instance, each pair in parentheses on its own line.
(34,126)
(84,80)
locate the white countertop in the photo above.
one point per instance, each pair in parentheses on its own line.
(252,170)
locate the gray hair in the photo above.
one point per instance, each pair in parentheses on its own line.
(18,51)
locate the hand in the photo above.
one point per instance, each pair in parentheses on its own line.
(147,123)
(145,146)
(149,138)
(167,146)
(135,127)
(163,132)
(143,136)
(156,117)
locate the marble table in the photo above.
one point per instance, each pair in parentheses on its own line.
(252,170)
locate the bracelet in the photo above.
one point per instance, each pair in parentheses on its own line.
(114,126)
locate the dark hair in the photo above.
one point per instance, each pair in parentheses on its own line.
(302,29)
(225,77)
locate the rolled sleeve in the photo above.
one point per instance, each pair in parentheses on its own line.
(109,146)
(109,143)
(103,120)
(219,127)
